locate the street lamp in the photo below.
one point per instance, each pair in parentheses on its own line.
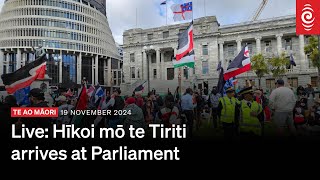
(148,51)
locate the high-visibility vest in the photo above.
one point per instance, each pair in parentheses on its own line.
(247,122)
(228,109)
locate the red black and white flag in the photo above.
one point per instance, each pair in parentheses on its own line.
(24,76)
(239,65)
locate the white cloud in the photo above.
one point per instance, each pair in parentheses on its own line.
(122,13)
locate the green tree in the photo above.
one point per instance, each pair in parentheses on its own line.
(312,50)
(259,66)
(278,65)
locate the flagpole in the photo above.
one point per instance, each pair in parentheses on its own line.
(166,14)
(136,17)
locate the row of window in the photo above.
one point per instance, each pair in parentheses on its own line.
(57,3)
(52,44)
(52,34)
(53,13)
(51,23)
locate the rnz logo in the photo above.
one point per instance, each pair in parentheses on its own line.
(307,17)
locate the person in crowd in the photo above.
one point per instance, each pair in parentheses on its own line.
(135,116)
(159,100)
(302,98)
(214,103)
(205,91)
(314,118)
(227,110)
(299,119)
(5,111)
(115,104)
(170,113)
(150,108)
(139,101)
(310,91)
(36,97)
(282,102)
(64,106)
(198,109)
(251,114)
(187,107)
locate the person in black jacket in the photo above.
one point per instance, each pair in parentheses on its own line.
(36,97)
(117,105)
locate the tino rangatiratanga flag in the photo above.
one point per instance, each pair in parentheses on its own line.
(185,55)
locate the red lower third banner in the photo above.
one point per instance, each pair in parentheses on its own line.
(34,112)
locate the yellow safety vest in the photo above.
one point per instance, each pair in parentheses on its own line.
(228,109)
(247,122)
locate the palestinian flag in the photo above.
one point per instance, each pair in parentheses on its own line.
(185,55)
(24,76)
(239,65)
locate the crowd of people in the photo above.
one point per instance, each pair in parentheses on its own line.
(238,113)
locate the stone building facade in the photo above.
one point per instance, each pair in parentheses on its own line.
(151,51)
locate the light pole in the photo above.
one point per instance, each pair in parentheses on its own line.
(148,52)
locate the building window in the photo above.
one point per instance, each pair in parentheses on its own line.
(250,48)
(205,50)
(69,68)
(170,73)
(310,62)
(87,69)
(153,59)
(154,73)
(293,82)
(288,44)
(133,72)
(115,74)
(165,34)
(314,81)
(270,83)
(132,57)
(231,50)
(186,72)
(150,37)
(205,67)
(268,46)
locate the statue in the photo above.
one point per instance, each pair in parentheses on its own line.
(39,51)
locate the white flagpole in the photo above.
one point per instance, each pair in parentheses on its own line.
(136,17)
(166,13)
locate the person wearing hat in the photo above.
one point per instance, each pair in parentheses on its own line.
(227,111)
(135,118)
(251,112)
(310,91)
(282,103)
(63,106)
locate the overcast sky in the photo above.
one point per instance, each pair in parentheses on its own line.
(127,14)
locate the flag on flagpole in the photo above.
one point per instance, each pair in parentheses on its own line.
(140,88)
(82,104)
(24,76)
(91,90)
(182,12)
(292,62)
(239,65)
(164,3)
(185,55)
(221,82)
